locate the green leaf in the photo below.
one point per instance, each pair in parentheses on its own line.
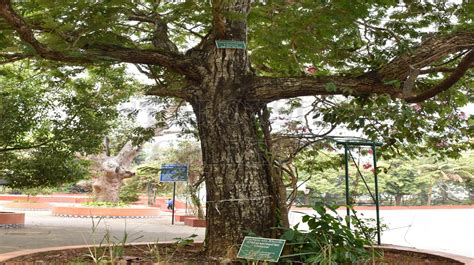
(288,235)
(330,87)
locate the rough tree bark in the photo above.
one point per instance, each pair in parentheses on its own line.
(398,199)
(110,171)
(242,192)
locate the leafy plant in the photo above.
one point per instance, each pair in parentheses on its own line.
(94,252)
(110,248)
(163,255)
(105,204)
(129,193)
(329,239)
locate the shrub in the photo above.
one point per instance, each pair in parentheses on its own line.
(105,204)
(329,239)
(130,192)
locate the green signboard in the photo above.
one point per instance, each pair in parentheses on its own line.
(230,44)
(259,248)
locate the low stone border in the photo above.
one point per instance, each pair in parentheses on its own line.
(181,218)
(25,209)
(85,212)
(62,198)
(195,222)
(26,206)
(12,220)
(450,258)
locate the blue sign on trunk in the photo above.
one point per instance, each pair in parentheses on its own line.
(173,172)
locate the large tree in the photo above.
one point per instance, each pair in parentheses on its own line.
(46,118)
(380,55)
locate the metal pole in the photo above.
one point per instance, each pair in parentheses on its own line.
(174,202)
(347,185)
(377,210)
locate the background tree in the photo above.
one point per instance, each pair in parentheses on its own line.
(399,179)
(380,56)
(47,116)
(443,175)
(111,168)
(184,152)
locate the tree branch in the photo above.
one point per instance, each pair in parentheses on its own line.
(26,147)
(13,57)
(27,35)
(266,89)
(429,51)
(440,70)
(92,53)
(141,19)
(404,68)
(393,34)
(164,91)
(444,85)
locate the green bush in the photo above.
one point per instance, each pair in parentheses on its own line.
(130,192)
(329,239)
(105,204)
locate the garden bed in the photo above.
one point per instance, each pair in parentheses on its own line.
(12,220)
(169,253)
(106,212)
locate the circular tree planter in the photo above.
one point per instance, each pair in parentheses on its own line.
(27,206)
(12,220)
(392,255)
(112,212)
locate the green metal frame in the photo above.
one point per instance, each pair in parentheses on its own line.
(349,142)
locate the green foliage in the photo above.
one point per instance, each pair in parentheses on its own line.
(186,241)
(400,179)
(36,191)
(49,115)
(43,167)
(110,248)
(149,174)
(424,180)
(105,204)
(130,191)
(404,128)
(329,240)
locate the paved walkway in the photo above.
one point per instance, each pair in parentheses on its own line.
(44,230)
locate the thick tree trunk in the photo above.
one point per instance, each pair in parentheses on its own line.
(239,188)
(430,192)
(106,185)
(110,172)
(241,195)
(398,199)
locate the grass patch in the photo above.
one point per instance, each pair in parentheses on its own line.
(105,204)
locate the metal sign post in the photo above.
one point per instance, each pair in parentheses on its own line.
(173,173)
(173,201)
